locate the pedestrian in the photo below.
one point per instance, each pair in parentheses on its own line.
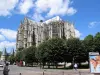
(6,69)
(23,63)
(75,66)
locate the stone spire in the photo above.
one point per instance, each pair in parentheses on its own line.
(25,19)
(13,52)
(21,22)
(4,53)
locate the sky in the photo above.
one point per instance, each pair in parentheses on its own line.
(85,14)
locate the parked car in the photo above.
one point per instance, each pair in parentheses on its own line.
(1,65)
(8,62)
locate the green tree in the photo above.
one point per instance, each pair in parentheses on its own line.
(56,47)
(20,49)
(97,42)
(29,55)
(19,56)
(11,59)
(89,38)
(88,43)
(0,53)
(51,51)
(75,49)
(42,53)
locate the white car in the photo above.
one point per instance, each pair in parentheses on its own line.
(1,65)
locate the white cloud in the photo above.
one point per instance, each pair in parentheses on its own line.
(25,5)
(37,17)
(55,7)
(8,34)
(6,6)
(77,33)
(49,7)
(93,24)
(2,38)
(71,11)
(7,44)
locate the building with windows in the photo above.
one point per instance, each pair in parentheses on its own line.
(33,33)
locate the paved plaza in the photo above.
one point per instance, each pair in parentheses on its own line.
(15,70)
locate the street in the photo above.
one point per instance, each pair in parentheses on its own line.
(15,70)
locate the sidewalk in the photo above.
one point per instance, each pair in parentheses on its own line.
(55,72)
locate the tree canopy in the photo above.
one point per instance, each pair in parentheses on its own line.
(57,50)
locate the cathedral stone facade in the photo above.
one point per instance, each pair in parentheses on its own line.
(33,33)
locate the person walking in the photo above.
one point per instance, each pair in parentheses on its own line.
(6,69)
(75,66)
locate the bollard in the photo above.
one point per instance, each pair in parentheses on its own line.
(79,73)
(63,73)
(20,74)
(43,73)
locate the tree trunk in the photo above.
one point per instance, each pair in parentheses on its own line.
(48,65)
(43,65)
(32,64)
(79,64)
(72,64)
(37,63)
(53,65)
(64,64)
(40,65)
(56,65)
